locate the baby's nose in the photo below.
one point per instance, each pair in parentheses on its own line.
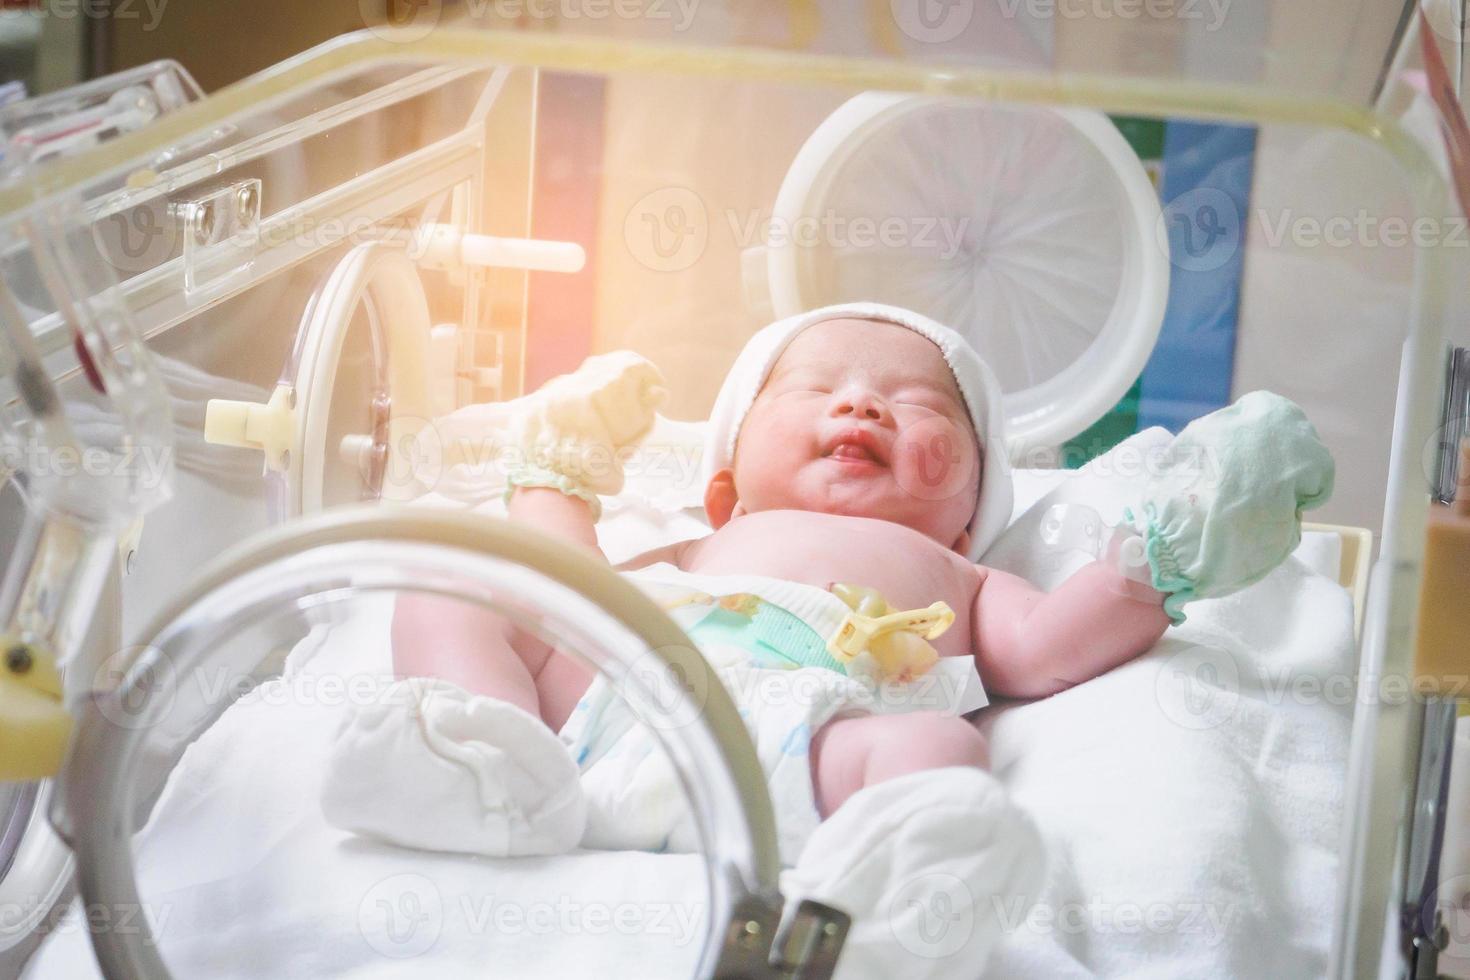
(859,403)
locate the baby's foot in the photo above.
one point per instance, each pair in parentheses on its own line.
(435,767)
(931,866)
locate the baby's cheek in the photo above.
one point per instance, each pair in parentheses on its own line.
(934,460)
(765,475)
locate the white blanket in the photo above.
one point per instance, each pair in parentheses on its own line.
(1190,800)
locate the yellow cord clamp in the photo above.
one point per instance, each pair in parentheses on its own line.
(34,726)
(896,640)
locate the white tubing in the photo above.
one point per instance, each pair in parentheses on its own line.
(522,253)
(444,246)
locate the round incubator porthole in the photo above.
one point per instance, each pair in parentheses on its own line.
(202,806)
(355,387)
(35,866)
(1030,230)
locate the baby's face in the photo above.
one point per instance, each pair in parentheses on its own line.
(863,419)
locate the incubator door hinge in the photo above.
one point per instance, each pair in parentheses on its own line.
(757,947)
(221,233)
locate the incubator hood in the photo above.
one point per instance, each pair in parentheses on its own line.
(253,304)
(1339,51)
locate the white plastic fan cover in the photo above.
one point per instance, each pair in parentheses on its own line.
(1032,231)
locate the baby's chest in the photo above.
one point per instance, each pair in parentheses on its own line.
(909,570)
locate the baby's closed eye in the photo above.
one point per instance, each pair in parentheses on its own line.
(930,401)
(803,382)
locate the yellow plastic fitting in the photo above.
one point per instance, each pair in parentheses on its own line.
(871,618)
(270,428)
(34,726)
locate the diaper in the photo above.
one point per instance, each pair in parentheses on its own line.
(783,683)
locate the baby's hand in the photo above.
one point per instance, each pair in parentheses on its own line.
(576,425)
(1223,505)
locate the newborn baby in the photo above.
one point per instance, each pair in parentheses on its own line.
(870,454)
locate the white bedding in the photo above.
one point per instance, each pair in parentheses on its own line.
(1190,800)
(248,880)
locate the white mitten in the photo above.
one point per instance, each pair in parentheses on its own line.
(575,426)
(568,434)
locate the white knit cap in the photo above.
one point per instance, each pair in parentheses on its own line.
(973,376)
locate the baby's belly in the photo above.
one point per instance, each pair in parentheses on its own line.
(909,569)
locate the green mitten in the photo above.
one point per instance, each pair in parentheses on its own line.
(1223,506)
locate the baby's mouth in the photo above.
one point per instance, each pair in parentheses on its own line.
(851,451)
(855,448)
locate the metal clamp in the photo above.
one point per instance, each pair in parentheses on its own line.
(756,947)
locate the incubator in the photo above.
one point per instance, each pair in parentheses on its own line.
(231,323)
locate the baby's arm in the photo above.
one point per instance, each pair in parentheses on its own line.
(560,515)
(1031,644)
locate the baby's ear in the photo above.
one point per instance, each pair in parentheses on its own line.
(720,498)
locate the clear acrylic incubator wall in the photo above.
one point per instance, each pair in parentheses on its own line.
(254,306)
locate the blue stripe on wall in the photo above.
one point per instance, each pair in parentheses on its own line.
(1206,192)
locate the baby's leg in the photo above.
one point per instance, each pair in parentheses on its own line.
(848,754)
(472,764)
(915,834)
(483,653)
(469,646)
